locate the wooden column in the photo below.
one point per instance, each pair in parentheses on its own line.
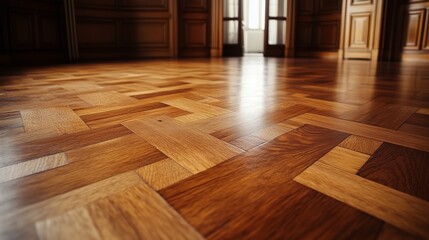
(290,29)
(72,46)
(216,29)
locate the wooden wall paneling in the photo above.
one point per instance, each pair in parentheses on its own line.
(328,34)
(126,28)
(329,5)
(146,33)
(96,3)
(362,31)
(49,31)
(414,29)
(305,7)
(32,32)
(426,31)
(304,32)
(22,29)
(194,28)
(4,59)
(216,29)
(318,28)
(291,28)
(415,39)
(142,4)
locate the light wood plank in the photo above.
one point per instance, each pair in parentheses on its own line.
(377,133)
(397,208)
(20,217)
(196,107)
(345,159)
(273,131)
(75,224)
(163,173)
(192,149)
(423,111)
(192,117)
(140,212)
(107,98)
(361,144)
(81,86)
(60,120)
(32,166)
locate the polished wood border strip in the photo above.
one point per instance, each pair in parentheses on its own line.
(377,133)
(399,209)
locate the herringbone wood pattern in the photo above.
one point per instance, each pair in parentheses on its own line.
(246,148)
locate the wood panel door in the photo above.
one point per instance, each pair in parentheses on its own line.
(232,28)
(194,28)
(275,28)
(362,29)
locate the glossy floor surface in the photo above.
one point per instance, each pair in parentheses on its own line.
(248,148)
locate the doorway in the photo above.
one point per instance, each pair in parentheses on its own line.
(254,26)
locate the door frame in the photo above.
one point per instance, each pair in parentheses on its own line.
(217,28)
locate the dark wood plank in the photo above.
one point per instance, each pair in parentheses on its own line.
(255,124)
(211,199)
(299,213)
(400,168)
(23,151)
(87,165)
(380,114)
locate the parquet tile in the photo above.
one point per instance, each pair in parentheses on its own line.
(31,167)
(192,149)
(163,173)
(220,148)
(361,144)
(150,218)
(74,224)
(107,98)
(61,120)
(400,168)
(401,210)
(220,194)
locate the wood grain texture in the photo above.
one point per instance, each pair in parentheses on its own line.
(390,232)
(17,219)
(21,149)
(400,168)
(247,142)
(220,194)
(192,149)
(399,209)
(377,133)
(344,159)
(32,166)
(106,159)
(361,144)
(141,214)
(230,122)
(74,224)
(107,98)
(59,120)
(163,173)
(380,114)
(196,107)
(273,131)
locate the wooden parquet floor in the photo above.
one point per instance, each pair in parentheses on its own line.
(238,148)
